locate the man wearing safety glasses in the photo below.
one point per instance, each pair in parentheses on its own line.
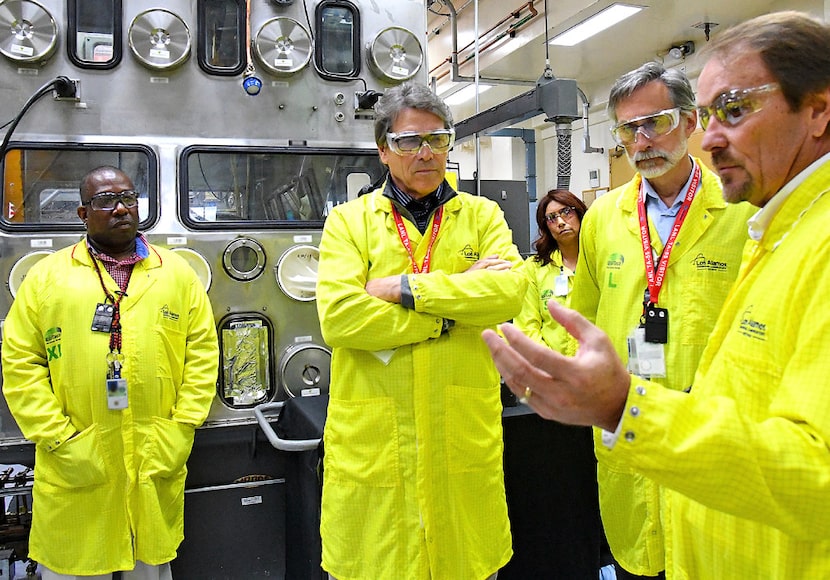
(659,255)
(110,359)
(409,276)
(743,457)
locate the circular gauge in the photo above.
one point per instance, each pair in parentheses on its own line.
(297,272)
(22,267)
(283,46)
(159,39)
(395,54)
(244,259)
(305,370)
(198,263)
(28,33)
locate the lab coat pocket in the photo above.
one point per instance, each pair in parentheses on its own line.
(79,462)
(702,295)
(361,440)
(473,428)
(170,353)
(630,508)
(167,448)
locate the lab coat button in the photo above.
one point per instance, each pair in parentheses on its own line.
(629,436)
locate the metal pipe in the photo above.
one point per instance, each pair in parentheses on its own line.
(455,75)
(586,136)
(512,27)
(437,30)
(477,78)
(509,32)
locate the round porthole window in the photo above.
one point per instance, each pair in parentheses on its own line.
(22,267)
(199,264)
(28,33)
(159,39)
(305,370)
(395,54)
(283,46)
(297,272)
(244,259)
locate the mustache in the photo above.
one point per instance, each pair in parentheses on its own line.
(721,157)
(650,154)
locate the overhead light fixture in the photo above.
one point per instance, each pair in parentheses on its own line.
(465,94)
(605,18)
(682,50)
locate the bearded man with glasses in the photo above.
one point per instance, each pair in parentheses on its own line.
(110,359)
(742,460)
(409,276)
(658,305)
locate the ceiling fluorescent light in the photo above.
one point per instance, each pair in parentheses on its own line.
(465,94)
(603,19)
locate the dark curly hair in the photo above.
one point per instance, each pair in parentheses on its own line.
(545,244)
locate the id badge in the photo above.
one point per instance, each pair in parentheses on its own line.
(102,319)
(645,359)
(117,394)
(560,285)
(656,324)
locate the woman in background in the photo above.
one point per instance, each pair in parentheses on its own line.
(564,514)
(550,270)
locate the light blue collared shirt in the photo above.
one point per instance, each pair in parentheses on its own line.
(661,215)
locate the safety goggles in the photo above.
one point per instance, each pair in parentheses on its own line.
(734,106)
(564,213)
(650,126)
(109,200)
(410,143)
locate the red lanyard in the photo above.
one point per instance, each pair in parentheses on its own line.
(115,332)
(436,225)
(655,277)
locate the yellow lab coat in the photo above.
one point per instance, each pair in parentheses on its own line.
(535,319)
(115,492)
(744,457)
(609,286)
(414,485)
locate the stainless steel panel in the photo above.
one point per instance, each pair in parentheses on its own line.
(171,109)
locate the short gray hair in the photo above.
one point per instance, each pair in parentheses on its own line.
(407,96)
(680,90)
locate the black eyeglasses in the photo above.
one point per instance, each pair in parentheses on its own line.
(563,213)
(109,200)
(732,107)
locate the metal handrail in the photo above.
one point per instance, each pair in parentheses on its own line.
(273,438)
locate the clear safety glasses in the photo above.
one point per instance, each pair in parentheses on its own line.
(564,213)
(108,200)
(650,126)
(734,106)
(410,143)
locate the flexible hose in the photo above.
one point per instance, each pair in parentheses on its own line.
(62,83)
(563,155)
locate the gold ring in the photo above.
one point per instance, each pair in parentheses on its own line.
(526,397)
